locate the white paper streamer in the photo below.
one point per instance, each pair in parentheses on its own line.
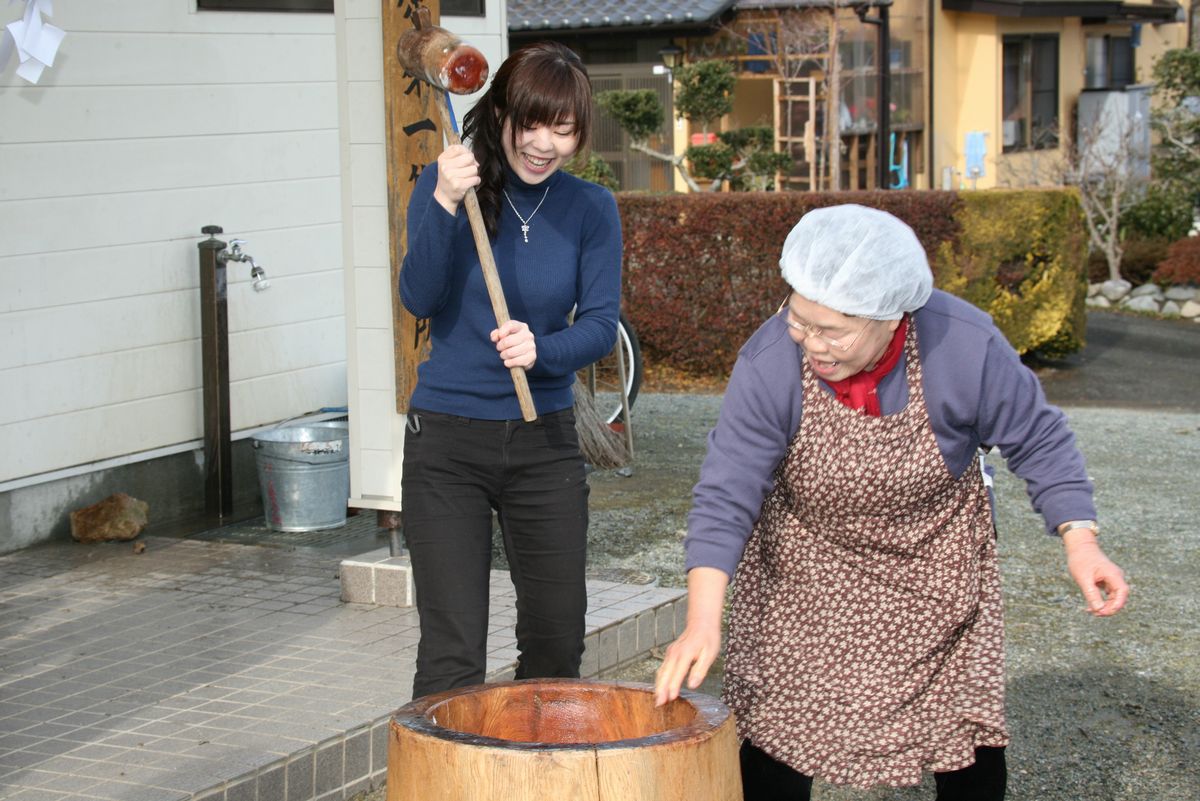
(35,41)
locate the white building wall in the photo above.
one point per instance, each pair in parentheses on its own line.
(154,121)
(376,430)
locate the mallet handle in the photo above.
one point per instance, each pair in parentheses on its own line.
(488,262)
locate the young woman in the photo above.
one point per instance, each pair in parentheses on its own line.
(467,452)
(842,488)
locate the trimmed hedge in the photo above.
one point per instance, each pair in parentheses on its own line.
(702,271)
(1022,258)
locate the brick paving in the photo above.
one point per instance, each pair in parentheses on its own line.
(223,671)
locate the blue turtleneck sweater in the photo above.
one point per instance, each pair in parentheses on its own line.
(572,259)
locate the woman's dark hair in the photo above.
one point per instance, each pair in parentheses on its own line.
(542,84)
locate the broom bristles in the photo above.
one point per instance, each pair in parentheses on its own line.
(601,446)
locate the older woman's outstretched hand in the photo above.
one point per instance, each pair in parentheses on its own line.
(692,654)
(1102,582)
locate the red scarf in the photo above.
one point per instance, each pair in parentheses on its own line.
(858,391)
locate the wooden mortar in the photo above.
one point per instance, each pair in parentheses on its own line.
(560,739)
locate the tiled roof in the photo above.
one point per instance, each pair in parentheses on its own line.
(559,15)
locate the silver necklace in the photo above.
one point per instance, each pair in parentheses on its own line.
(525,220)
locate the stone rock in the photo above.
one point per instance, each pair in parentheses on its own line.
(1169,308)
(118,517)
(1190,309)
(1115,290)
(1181,293)
(1147,290)
(1098,302)
(1093,290)
(1142,303)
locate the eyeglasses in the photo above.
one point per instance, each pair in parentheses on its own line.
(810,330)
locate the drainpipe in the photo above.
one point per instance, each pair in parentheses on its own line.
(883,107)
(929,54)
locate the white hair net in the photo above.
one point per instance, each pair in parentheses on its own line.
(858,261)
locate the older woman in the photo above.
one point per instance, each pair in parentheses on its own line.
(843,489)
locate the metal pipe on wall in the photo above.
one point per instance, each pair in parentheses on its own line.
(883,112)
(214,347)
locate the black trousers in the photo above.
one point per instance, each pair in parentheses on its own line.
(765,779)
(457,471)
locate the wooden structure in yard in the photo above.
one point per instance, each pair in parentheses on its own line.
(790,47)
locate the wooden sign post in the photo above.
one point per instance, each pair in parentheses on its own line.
(414,139)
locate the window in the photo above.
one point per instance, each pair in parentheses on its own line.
(860,86)
(1030,103)
(462,8)
(1109,62)
(324,6)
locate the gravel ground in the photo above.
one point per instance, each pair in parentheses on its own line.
(1105,710)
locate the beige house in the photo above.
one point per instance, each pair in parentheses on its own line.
(979,90)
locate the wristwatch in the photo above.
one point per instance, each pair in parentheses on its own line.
(1073,524)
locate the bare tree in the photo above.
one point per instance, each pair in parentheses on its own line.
(1105,163)
(833,111)
(796,40)
(1177,126)
(796,44)
(1101,167)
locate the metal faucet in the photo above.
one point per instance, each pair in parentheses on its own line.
(234,253)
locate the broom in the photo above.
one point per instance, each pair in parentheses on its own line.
(602,447)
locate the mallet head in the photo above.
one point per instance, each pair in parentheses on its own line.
(440,58)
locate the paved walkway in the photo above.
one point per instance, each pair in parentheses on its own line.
(223,671)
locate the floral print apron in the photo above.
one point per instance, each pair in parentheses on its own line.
(866,638)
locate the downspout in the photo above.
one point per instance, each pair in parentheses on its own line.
(883,125)
(929,139)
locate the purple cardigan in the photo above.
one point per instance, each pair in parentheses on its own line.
(978,393)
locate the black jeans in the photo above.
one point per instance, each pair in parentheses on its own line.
(765,779)
(458,470)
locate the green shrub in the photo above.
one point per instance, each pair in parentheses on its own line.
(755,137)
(1182,264)
(710,162)
(745,156)
(704,91)
(1165,213)
(638,111)
(595,169)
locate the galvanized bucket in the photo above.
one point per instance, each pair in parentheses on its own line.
(304,474)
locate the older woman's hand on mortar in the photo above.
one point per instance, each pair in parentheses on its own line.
(692,654)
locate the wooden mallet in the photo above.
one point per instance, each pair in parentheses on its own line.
(439,58)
